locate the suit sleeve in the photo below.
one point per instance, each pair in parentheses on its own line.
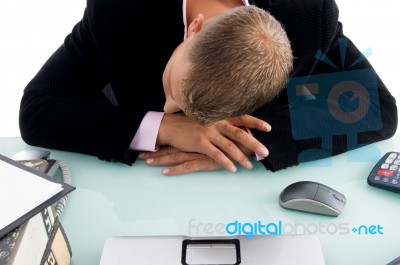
(63,107)
(310,125)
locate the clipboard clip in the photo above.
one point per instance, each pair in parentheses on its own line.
(211,252)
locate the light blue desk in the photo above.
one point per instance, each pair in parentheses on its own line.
(114,199)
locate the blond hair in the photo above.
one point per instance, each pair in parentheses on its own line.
(239,61)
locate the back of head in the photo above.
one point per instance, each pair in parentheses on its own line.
(239,61)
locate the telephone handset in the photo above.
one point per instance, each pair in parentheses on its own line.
(41,161)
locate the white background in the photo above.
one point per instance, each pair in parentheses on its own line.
(31,30)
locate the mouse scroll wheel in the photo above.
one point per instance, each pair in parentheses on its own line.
(338,198)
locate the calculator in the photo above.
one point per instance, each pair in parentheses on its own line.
(386,173)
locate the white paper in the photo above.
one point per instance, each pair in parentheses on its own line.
(22,191)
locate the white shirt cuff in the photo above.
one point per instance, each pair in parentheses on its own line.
(146,135)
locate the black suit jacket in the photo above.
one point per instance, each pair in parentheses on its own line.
(116,44)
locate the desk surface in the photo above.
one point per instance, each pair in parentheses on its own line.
(114,199)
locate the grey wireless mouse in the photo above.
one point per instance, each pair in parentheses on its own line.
(309,196)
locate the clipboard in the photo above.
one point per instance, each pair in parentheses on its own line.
(232,250)
(65,189)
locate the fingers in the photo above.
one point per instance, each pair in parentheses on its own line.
(172,156)
(240,136)
(191,166)
(249,121)
(233,151)
(182,162)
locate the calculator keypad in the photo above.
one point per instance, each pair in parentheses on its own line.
(389,171)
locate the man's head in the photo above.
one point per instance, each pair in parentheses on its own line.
(229,66)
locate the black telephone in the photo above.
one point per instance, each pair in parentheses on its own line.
(41,161)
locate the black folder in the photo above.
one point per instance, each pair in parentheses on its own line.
(66,188)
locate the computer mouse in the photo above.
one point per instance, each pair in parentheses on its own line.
(313,197)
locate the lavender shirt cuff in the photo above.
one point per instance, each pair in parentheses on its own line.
(146,135)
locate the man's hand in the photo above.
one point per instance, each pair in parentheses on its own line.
(194,147)
(179,162)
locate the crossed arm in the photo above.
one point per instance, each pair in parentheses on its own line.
(186,146)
